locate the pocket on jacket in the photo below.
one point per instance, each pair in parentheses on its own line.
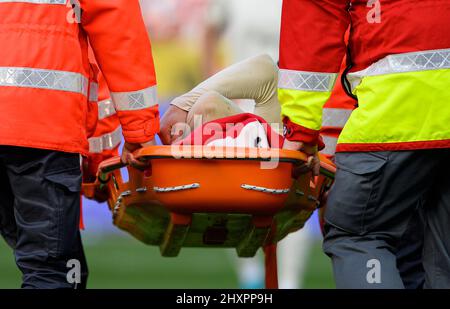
(354,195)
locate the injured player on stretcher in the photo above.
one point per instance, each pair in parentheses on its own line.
(249,86)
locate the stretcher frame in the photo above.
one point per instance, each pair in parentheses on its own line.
(185,185)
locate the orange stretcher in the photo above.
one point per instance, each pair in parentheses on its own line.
(198,196)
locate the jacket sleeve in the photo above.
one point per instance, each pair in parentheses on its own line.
(105,141)
(122,48)
(312,47)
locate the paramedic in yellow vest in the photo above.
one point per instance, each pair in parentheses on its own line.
(393,154)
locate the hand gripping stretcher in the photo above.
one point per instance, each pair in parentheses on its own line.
(200,196)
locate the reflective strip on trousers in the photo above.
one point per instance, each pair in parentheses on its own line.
(105,142)
(403,63)
(330,145)
(135,100)
(93,92)
(306,81)
(335,117)
(62,2)
(105,109)
(44,79)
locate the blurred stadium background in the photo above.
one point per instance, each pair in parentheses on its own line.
(191,39)
(116,260)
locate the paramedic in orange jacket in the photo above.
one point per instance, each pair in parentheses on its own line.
(46,89)
(105,140)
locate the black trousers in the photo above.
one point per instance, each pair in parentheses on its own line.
(39,216)
(371,214)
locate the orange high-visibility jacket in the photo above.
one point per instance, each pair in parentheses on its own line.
(105,141)
(47,82)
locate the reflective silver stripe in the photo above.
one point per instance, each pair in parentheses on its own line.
(403,63)
(307,81)
(45,79)
(93,92)
(335,117)
(105,109)
(135,100)
(176,188)
(37,1)
(105,142)
(330,145)
(265,190)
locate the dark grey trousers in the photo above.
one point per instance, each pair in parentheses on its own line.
(370,210)
(40,215)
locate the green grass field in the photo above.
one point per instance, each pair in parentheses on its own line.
(119,261)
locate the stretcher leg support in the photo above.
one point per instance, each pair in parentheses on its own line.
(271,267)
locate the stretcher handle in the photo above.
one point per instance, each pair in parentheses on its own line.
(109,166)
(327,168)
(220,153)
